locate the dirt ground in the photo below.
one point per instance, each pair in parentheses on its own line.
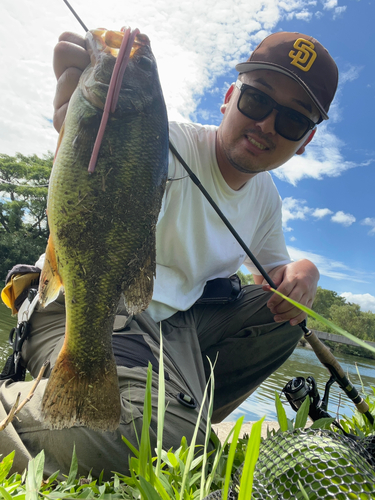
(223,429)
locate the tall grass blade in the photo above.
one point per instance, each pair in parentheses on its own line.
(161,407)
(326,322)
(145,447)
(73,468)
(252,454)
(360,379)
(4,494)
(302,414)
(231,455)
(208,433)
(130,446)
(6,465)
(34,476)
(219,449)
(149,492)
(304,494)
(190,455)
(281,413)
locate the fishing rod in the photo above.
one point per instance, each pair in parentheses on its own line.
(322,352)
(76,15)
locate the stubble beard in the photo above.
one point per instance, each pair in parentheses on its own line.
(237,161)
(244,162)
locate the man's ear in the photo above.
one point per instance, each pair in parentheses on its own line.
(227,97)
(309,139)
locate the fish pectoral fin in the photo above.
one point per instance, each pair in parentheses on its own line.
(50,281)
(59,141)
(138,295)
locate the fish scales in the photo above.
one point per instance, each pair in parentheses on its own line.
(102,230)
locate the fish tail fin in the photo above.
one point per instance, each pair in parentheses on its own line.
(74,396)
(50,281)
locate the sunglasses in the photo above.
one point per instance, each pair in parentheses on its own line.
(257,105)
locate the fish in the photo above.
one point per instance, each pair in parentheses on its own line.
(102,224)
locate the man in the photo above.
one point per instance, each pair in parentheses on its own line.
(283,91)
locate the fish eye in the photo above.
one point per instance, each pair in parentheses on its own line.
(145,63)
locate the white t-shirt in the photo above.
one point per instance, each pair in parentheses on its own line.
(192,243)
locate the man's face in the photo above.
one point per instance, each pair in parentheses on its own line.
(251,146)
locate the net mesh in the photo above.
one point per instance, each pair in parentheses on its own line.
(328,465)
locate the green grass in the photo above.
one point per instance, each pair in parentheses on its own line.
(189,472)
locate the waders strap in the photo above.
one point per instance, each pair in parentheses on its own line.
(13,368)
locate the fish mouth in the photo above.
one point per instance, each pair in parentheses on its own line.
(101,41)
(103,47)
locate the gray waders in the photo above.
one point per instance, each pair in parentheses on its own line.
(242,335)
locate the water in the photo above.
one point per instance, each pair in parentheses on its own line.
(302,363)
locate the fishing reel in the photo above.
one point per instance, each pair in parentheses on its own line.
(298,389)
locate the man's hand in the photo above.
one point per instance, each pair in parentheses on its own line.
(70,58)
(297,280)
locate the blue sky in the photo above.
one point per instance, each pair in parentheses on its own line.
(328,193)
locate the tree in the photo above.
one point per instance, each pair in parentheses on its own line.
(324,299)
(23,203)
(246,279)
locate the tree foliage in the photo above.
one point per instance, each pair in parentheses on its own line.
(346,315)
(246,279)
(23,203)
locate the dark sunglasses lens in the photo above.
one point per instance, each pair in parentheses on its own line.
(289,124)
(254,105)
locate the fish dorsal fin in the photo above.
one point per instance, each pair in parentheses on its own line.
(50,281)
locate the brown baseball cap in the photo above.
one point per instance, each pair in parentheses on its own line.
(302,58)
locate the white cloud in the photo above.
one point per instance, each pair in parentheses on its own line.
(329,4)
(343,218)
(293,209)
(319,213)
(369,222)
(321,158)
(350,74)
(339,11)
(304,15)
(328,267)
(364,300)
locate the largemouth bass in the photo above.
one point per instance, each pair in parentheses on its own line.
(102,226)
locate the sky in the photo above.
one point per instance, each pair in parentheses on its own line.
(328,193)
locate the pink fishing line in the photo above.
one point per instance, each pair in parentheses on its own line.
(113,91)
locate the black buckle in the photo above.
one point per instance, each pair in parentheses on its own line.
(221,291)
(13,369)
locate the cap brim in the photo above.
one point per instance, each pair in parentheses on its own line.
(252,66)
